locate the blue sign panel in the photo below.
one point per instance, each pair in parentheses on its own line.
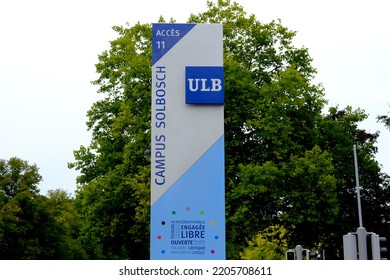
(189,220)
(204,85)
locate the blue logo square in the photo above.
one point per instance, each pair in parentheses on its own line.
(205,85)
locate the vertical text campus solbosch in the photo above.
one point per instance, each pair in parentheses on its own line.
(160,125)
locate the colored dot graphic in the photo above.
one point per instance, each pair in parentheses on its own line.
(216,237)
(163,222)
(159,237)
(212,252)
(212,223)
(163,252)
(173,212)
(202,212)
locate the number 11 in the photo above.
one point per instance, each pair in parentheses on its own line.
(160,44)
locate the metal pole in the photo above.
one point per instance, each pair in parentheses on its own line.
(362,243)
(358,187)
(307,254)
(349,245)
(299,251)
(375,247)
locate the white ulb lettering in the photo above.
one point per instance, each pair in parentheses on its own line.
(191,84)
(216,84)
(205,85)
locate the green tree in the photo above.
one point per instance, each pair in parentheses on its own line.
(113,192)
(33,226)
(384,119)
(17,176)
(115,210)
(286,161)
(269,244)
(272,110)
(300,194)
(338,132)
(67,225)
(18,209)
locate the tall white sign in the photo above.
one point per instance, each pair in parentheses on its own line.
(187,172)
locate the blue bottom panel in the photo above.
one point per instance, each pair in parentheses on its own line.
(188,221)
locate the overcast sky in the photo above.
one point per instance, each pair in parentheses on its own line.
(48,52)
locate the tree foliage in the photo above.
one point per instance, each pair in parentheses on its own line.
(384,119)
(33,226)
(113,193)
(269,244)
(287,162)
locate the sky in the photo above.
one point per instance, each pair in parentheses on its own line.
(48,52)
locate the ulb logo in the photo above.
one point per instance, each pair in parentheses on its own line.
(204,85)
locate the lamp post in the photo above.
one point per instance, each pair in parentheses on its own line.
(358,187)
